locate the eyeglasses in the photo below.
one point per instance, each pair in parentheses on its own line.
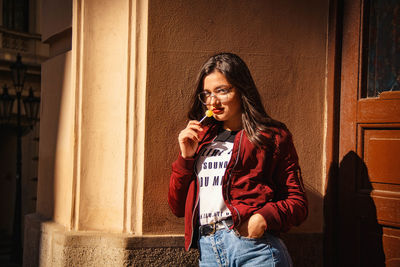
(222,94)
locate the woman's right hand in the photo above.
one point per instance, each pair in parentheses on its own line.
(189,139)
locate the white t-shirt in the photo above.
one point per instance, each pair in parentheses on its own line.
(211,166)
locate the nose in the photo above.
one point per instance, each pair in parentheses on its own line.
(213,99)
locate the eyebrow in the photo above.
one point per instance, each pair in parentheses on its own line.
(219,87)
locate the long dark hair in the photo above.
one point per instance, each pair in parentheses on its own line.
(254,117)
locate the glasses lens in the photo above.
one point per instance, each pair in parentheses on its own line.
(203,98)
(223,98)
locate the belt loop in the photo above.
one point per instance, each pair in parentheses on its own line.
(226,226)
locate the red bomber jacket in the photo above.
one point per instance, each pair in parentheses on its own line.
(256,181)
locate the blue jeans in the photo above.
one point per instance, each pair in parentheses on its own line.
(227,248)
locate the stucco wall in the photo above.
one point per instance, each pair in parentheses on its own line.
(103,75)
(56,132)
(82,154)
(283,42)
(113,106)
(56,144)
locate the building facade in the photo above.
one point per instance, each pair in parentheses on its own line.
(19,34)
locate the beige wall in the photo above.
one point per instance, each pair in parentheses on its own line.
(56,17)
(115,94)
(95,121)
(85,166)
(56,144)
(91,91)
(284,45)
(56,139)
(103,123)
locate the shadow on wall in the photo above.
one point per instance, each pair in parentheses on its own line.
(55,95)
(353,236)
(306,248)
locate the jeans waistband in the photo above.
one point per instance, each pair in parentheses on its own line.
(209,229)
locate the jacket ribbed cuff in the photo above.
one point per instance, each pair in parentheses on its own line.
(183,165)
(271,216)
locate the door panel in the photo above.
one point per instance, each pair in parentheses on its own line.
(376,110)
(391,246)
(381,149)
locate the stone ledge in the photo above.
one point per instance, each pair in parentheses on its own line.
(98,239)
(50,244)
(93,238)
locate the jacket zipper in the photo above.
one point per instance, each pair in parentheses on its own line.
(230,175)
(197,191)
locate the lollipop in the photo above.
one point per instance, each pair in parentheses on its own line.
(209,113)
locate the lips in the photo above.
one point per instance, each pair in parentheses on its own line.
(218,110)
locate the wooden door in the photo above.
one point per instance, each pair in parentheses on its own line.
(368,223)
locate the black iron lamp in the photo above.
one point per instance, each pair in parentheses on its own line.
(18,70)
(18,74)
(31,105)
(6,105)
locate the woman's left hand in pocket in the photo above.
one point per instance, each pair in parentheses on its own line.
(253,227)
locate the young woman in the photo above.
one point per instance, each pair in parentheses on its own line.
(237,180)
